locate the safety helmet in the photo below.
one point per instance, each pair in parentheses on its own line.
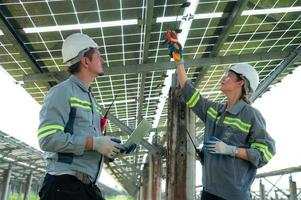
(248,73)
(75,46)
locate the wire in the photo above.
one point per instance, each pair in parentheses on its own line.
(191,139)
(198,151)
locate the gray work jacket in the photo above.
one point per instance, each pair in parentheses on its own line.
(243,126)
(68,116)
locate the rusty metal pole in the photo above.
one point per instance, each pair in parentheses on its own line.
(156,178)
(144,183)
(191,163)
(180,157)
(149,175)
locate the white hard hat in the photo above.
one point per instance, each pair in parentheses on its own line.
(75,46)
(249,73)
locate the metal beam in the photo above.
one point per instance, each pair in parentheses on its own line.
(237,10)
(267,81)
(231,20)
(121,133)
(268,18)
(163,66)
(148,26)
(12,35)
(141,97)
(279,172)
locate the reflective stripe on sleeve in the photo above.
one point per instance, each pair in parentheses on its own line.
(48,130)
(264,149)
(212,112)
(194,99)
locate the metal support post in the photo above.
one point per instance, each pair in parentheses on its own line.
(180,181)
(149,175)
(156,167)
(262,191)
(191,164)
(28,187)
(5,183)
(140,197)
(276,195)
(20,186)
(144,183)
(293,189)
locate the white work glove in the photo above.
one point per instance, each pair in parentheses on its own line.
(106,146)
(216,146)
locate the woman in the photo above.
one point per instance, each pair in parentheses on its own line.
(236,141)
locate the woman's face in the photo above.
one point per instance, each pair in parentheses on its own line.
(231,82)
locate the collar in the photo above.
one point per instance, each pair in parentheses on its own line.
(79,83)
(237,107)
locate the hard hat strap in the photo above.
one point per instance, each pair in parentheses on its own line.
(77,58)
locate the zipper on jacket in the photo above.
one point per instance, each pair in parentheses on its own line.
(101,157)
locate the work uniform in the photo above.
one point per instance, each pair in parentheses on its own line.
(68,116)
(243,126)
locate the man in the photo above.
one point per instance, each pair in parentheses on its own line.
(69,130)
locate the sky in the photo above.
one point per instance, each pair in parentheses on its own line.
(19,117)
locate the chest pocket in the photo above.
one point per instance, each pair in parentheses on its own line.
(83,111)
(236,130)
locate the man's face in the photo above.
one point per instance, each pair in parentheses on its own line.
(95,64)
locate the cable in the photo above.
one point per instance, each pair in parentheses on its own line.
(198,151)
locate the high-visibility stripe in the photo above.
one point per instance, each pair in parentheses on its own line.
(97,109)
(48,130)
(46,134)
(212,113)
(194,99)
(80,106)
(238,123)
(48,127)
(264,149)
(80,101)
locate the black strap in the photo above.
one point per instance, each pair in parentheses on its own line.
(68,157)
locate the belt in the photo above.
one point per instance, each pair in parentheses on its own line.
(84,178)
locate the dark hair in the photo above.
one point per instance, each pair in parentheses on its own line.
(244,96)
(75,68)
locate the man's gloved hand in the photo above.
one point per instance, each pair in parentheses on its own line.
(129,149)
(106,146)
(124,149)
(216,146)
